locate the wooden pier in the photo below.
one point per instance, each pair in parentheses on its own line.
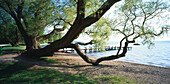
(92,49)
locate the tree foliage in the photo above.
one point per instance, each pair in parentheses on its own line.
(9,32)
(31,17)
(139,17)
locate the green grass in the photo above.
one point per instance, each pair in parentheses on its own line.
(10,48)
(17,73)
(113,80)
(50,60)
(55,61)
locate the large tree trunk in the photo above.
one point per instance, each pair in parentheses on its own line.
(31,43)
(30,40)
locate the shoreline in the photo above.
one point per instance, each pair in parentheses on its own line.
(72,63)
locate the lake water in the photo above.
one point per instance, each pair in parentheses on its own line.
(158,55)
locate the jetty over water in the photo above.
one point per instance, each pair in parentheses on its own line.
(93,49)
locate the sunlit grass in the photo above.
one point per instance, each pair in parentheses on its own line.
(10,48)
(50,60)
(113,80)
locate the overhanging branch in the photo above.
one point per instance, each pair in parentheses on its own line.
(96,62)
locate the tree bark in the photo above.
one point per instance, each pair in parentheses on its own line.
(32,43)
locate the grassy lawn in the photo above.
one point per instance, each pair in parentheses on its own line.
(10,48)
(113,80)
(49,60)
(16,73)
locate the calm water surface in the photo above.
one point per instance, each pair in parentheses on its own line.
(158,55)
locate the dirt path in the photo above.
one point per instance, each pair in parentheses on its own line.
(72,63)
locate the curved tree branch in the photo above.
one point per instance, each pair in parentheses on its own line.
(96,62)
(82,55)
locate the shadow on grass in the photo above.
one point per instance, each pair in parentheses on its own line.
(17,73)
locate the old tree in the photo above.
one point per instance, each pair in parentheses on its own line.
(131,20)
(30,17)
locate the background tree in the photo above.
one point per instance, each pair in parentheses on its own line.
(9,32)
(31,17)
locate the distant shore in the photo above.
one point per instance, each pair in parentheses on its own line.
(72,63)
